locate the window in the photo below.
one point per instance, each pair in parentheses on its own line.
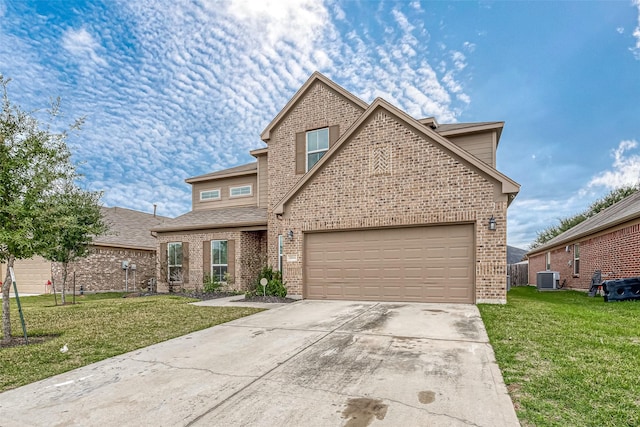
(245,190)
(317,145)
(219,260)
(280,251)
(548,260)
(576,258)
(174,261)
(210,195)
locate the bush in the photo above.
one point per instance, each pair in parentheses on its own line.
(275,285)
(210,284)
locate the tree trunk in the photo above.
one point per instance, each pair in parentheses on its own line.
(64,282)
(6,315)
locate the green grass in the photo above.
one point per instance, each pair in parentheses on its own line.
(97,327)
(567,359)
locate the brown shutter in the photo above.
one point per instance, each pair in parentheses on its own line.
(231,258)
(164,265)
(301,153)
(334,134)
(185,262)
(206,258)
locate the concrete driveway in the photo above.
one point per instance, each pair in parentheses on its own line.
(309,363)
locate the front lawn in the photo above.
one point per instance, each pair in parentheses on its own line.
(567,359)
(97,327)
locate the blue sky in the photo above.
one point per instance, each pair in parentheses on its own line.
(173,89)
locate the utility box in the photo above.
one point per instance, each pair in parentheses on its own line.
(548,280)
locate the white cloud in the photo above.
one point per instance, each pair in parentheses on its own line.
(84,48)
(625,169)
(620,30)
(636,32)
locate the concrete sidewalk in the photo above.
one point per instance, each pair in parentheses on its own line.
(311,363)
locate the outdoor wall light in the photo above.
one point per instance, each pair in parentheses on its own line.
(290,234)
(492,223)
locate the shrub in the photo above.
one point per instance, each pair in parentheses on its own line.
(275,285)
(210,284)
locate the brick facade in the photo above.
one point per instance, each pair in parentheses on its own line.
(249,250)
(423,185)
(614,252)
(102,270)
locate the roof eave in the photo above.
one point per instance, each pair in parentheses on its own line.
(226,175)
(209,226)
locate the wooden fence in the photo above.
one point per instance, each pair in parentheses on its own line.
(518,274)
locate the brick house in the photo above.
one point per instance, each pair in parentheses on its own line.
(128,240)
(608,241)
(352,201)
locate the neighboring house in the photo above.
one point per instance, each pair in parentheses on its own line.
(608,241)
(352,201)
(128,239)
(515,255)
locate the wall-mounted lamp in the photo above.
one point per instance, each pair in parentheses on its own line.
(492,223)
(290,234)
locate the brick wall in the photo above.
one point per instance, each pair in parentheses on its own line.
(102,270)
(420,184)
(616,253)
(249,250)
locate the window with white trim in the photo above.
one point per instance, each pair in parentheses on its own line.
(548,261)
(174,261)
(280,251)
(210,195)
(317,145)
(576,259)
(244,190)
(219,259)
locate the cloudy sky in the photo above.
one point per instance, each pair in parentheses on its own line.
(177,88)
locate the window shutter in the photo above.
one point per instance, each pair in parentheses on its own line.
(185,262)
(164,264)
(206,258)
(301,153)
(334,134)
(231,258)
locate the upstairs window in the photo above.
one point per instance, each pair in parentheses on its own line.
(244,190)
(576,259)
(210,195)
(317,145)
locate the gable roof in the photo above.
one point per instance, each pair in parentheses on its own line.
(231,217)
(128,228)
(246,169)
(316,76)
(625,210)
(508,185)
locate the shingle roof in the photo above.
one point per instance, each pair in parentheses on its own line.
(216,218)
(457,126)
(237,170)
(625,210)
(129,228)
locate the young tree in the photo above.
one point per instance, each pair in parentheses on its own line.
(72,218)
(565,224)
(34,161)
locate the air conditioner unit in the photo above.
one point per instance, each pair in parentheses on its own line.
(548,279)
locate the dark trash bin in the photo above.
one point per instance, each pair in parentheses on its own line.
(621,289)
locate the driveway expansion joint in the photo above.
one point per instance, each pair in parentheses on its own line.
(213,408)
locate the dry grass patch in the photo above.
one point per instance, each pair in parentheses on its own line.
(97,327)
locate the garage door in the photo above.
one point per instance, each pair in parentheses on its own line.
(417,264)
(31,274)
